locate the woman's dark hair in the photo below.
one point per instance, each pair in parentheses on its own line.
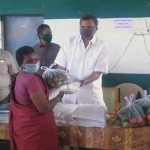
(21,52)
(89,17)
(41,28)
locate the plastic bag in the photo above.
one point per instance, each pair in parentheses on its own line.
(132,113)
(145,104)
(54,78)
(58,81)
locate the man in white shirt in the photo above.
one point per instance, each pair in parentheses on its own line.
(85,57)
(7,69)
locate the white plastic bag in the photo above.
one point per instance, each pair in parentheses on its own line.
(132,113)
(58,81)
(54,78)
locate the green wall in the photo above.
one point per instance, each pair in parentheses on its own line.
(114,79)
(75,9)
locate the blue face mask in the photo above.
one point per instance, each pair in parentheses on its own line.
(87,32)
(31,68)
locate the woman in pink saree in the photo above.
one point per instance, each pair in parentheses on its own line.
(31,123)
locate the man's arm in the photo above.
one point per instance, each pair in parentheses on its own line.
(101,66)
(12,68)
(94,76)
(60,67)
(61,59)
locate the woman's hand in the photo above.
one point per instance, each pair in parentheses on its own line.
(59,97)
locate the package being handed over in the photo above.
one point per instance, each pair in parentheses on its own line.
(54,78)
(58,80)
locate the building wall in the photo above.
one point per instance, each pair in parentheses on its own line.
(76,8)
(71,9)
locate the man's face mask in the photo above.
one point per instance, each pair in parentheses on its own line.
(47,38)
(87,32)
(31,68)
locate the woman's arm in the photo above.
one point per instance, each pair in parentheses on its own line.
(42,104)
(36,90)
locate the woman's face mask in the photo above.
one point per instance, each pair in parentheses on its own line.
(31,68)
(87,32)
(47,38)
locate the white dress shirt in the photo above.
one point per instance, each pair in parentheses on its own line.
(80,62)
(7,68)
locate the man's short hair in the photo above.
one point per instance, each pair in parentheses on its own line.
(21,52)
(42,27)
(89,17)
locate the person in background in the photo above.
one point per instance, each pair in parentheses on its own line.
(31,122)
(46,50)
(85,57)
(7,70)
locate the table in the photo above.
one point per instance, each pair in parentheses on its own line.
(108,138)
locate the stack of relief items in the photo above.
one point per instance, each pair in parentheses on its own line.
(87,115)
